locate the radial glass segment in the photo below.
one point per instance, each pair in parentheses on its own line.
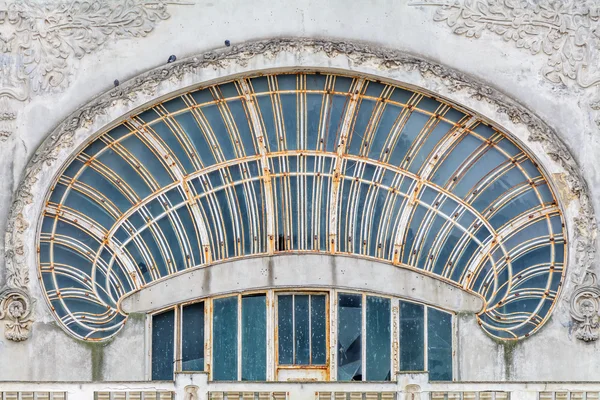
(303,162)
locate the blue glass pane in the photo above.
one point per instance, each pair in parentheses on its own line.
(254,338)
(412,337)
(439,345)
(163,336)
(192,337)
(349,337)
(378,362)
(301,329)
(225,334)
(318,333)
(285,329)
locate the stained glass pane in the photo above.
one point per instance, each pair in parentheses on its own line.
(412,337)
(378,354)
(254,338)
(349,337)
(192,337)
(225,334)
(439,345)
(163,335)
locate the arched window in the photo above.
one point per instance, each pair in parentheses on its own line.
(302,163)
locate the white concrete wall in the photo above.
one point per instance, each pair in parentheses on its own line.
(550,355)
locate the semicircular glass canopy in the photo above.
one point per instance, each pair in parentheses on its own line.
(302,163)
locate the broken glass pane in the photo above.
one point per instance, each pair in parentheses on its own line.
(225,351)
(254,338)
(412,337)
(192,337)
(285,331)
(378,352)
(163,335)
(439,345)
(349,337)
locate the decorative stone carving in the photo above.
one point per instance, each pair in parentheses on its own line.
(62,138)
(585,309)
(40,39)
(191,392)
(566,32)
(15,309)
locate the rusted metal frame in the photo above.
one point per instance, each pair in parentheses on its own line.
(383,230)
(171,164)
(178,132)
(104,202)
(83,221)
(374,120)
(424,133)
(183,239)
(357,87)
(351,209)
(523,249)
(206,129)
(398,127)
(368,210)
(58,212)
(257,130)
(232,202)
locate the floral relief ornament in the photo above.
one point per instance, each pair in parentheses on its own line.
(39,40)
(567,32)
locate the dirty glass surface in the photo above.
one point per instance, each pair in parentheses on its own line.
(378,351)
(163,335)
(439,345)
(225,344)
(349,337)
(412,337)
(302,329)
(254,338)
(192,337)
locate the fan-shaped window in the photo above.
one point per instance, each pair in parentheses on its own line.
(302,163)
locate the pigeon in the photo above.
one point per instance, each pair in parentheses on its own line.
(116,82)
(227,43)
(171,59)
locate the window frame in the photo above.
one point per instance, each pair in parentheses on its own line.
(272,341)
(284,292)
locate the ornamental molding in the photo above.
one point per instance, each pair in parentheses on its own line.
(127,96)
(15,310)
(40,41)
(567,33)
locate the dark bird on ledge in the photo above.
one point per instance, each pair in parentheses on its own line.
(171,59)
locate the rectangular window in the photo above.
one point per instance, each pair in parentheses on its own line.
(412,337)
(163,336)
(225,339)
(349,337)
(379,345)
(254,338)
(439,345)
(192,337)
(302,329)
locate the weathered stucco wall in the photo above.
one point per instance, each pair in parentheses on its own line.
(567,107)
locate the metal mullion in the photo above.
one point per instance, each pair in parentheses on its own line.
(363,331)
(239,338)
(455,367)
(293,329)
(395,338)
(426,339)
(178,337)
